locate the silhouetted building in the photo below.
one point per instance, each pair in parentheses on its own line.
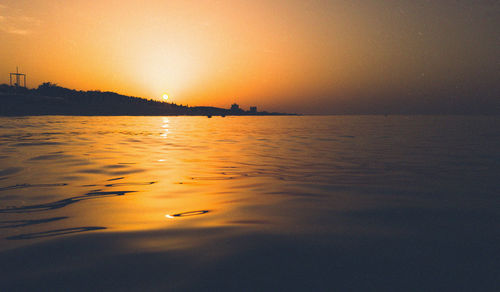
(253,109)
(235,107)
(236,110)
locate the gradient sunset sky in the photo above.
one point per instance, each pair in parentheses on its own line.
(295,56)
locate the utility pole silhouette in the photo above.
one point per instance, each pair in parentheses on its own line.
(17,77)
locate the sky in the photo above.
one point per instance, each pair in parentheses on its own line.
(311,57)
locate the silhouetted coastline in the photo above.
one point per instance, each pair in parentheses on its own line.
(51,99)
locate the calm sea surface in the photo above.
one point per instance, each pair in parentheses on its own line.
(250,203)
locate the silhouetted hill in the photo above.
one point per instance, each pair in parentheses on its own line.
(51,99)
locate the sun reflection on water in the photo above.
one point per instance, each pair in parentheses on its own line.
(165,127)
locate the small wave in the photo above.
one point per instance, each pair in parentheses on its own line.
(38,144)
(131,184)
(22,186)
(249,222)
(62,203)
(113,179)
(22,223)
(187,214)
(115,166)
(56,232)
(212,178)
(49,157)
(10,170)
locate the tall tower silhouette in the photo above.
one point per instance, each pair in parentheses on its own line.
(17,78)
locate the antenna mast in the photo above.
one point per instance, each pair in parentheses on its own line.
(17,76)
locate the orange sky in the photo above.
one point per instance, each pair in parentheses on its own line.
(301,56)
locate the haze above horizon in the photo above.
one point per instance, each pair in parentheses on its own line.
(316,57)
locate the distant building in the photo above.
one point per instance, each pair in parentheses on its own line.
(253,109)
(235,107)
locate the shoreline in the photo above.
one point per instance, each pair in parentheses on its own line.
(108,104)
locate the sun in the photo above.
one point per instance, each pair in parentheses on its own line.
(165,96)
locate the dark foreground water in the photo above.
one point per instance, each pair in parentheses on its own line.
(250,203)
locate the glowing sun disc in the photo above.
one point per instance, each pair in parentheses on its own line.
(165,96)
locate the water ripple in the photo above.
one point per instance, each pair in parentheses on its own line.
(10,170)
(56,232)
(22,186)
(187,214)
(23,223)
(62,203)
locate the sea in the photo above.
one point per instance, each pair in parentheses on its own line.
(250,203)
